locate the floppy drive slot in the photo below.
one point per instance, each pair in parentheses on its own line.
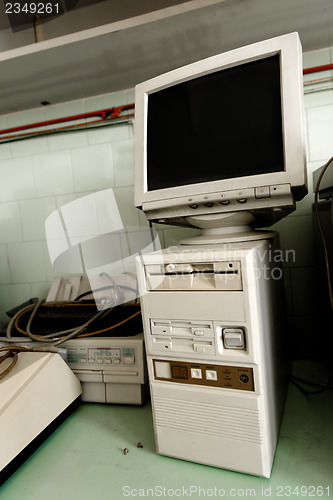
(183,345)
(195,276)
(178,329)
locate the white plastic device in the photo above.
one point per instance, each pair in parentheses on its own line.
(33,395)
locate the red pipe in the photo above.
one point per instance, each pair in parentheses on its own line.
(317,69)
(117,110)
(104,113)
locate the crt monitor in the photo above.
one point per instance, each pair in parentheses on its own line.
(223,135)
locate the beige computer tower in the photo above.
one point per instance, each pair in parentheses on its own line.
(214,334)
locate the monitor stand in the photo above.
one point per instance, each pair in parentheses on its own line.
(225,228)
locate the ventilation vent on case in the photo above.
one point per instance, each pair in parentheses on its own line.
(210,419)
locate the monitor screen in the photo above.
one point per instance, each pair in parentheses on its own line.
(223,125)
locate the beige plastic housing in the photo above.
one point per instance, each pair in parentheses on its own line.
(33,394)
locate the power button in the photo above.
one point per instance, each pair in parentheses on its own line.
(244,378)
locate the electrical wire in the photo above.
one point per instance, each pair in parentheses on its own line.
(53,337)
(10,351)
(118,296)
(323,386)
(327,264)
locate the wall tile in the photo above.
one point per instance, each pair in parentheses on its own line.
(104,101)
(17,180)
(91,216)
(108,133)
(92,167)
(67,140)
(12,296)
(130,96)
(67,198)
(62,110)
(316,58)
(26,262)
(26,117)
(40,290)
(128,213)
(4,151)
(131,129)
(317,98)
(3,122)
(50,271)
(28,147)
(53,173)
(4,271)
(143,219)
(123,160)
(320,132)
(10,223)
(33,215)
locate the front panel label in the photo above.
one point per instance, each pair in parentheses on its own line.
(227,377)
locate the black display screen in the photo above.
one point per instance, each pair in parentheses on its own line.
(218,126)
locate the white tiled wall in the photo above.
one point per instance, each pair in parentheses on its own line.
(42,174)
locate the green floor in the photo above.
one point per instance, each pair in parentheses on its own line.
(83,459)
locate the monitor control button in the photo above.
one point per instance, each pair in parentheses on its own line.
(242,200)
(194,205)
(262,192)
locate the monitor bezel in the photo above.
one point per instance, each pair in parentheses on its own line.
(294,174)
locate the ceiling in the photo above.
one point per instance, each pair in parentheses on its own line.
(106,57)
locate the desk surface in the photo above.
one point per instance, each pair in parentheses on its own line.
(83,459)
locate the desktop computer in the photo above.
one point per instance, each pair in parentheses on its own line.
(219,146)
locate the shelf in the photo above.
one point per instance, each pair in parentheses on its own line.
(119,55)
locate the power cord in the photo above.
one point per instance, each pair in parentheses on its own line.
(10,352)
(328,272)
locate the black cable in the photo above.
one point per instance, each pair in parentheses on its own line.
(324,386)
(328,272)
